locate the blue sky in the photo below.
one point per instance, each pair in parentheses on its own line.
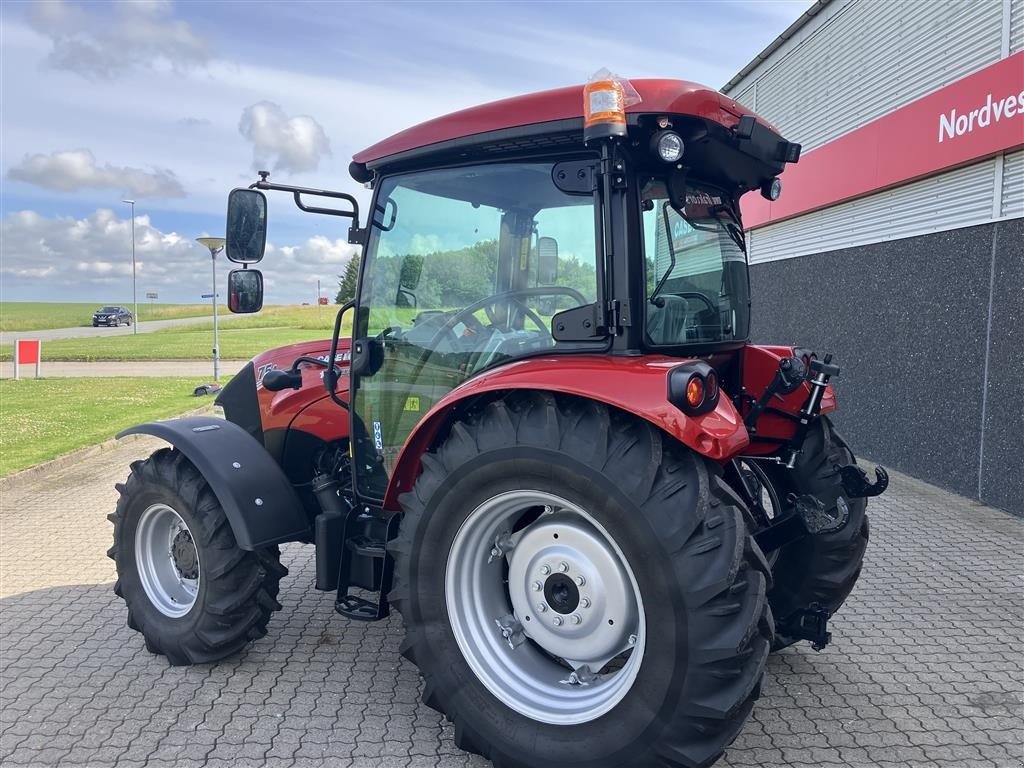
(175,104)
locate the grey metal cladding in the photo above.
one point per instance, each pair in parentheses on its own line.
(959,198)
(1012,204)
(870,58)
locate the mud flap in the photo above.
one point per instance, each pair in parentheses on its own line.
(257,497)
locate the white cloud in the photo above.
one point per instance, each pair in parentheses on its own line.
(72,170)
(90,258)
(290,143)
(138,35)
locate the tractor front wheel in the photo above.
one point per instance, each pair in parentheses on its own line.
(192,593)
(580,590)
(819,570)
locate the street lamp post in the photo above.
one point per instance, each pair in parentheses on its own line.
(135,295)
(216,245)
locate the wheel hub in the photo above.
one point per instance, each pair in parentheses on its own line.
(585,611)
(184,555)
(561,594)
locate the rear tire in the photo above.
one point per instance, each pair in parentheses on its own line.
(822,569)
(192,593)
(706,627)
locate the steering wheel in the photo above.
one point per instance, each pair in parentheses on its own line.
(465,314)
(697,295)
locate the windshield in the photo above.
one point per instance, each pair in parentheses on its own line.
(465,269)
(697,288)
(109,309)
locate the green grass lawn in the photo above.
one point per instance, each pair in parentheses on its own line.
(45,418)
(37,315)
(235,344)
(241,337)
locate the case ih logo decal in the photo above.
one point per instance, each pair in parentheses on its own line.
(956,124)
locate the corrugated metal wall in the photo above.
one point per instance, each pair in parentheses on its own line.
(870,58)
(863,59)
(1012,203)
(1016,26)
(964,197)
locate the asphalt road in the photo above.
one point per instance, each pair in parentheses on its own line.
(924,670)
(199,368)
(84,332)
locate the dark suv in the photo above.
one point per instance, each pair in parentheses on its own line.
(111,316)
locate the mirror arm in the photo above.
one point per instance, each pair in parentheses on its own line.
(356,234)
(331,372)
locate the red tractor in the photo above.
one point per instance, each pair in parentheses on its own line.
(548,443)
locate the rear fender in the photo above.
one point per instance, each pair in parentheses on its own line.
(637,385)
(261,505)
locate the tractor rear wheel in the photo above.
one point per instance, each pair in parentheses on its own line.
(819,570)
(192,593)
(579,589)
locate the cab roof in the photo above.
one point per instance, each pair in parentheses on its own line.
(671,97)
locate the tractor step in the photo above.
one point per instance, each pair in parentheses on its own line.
(810,624)
(365,564)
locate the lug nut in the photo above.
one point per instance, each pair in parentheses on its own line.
(545,570)
(632,639)
(541,608)
(563,567)
(557,621)
(537,586)
(585,602)
(576,618)
(580,581)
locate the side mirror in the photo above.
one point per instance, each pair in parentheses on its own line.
(412,270)
(547,261)
(245,291)
(246,227)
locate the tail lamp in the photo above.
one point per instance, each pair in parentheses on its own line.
(693,387)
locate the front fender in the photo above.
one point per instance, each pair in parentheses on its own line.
(637,385)
(261,505)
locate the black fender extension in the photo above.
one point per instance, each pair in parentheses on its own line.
(259,501)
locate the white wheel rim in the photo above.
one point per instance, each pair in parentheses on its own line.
(521,602)
(167,561)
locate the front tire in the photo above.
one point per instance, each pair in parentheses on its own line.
(647,534)
(819,570)
(190,591)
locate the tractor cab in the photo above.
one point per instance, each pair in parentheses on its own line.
(535,227)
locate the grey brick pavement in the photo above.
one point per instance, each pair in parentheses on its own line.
(927,668)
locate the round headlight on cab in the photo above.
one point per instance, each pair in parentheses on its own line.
(668,145)
(772,190)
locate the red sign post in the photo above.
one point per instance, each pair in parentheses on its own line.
(26,352)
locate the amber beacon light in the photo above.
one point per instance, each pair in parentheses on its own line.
(605,98)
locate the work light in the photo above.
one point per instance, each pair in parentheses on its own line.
(669,146)
(771,190)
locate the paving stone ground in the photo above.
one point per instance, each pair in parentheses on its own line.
(926,669)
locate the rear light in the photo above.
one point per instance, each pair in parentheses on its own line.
(693,387)
(605,98)
(695,391)
(712,383)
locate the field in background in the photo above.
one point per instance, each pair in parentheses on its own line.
(40,420)
(39,315)
(241,337)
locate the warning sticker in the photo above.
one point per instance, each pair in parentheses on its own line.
(412,404)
